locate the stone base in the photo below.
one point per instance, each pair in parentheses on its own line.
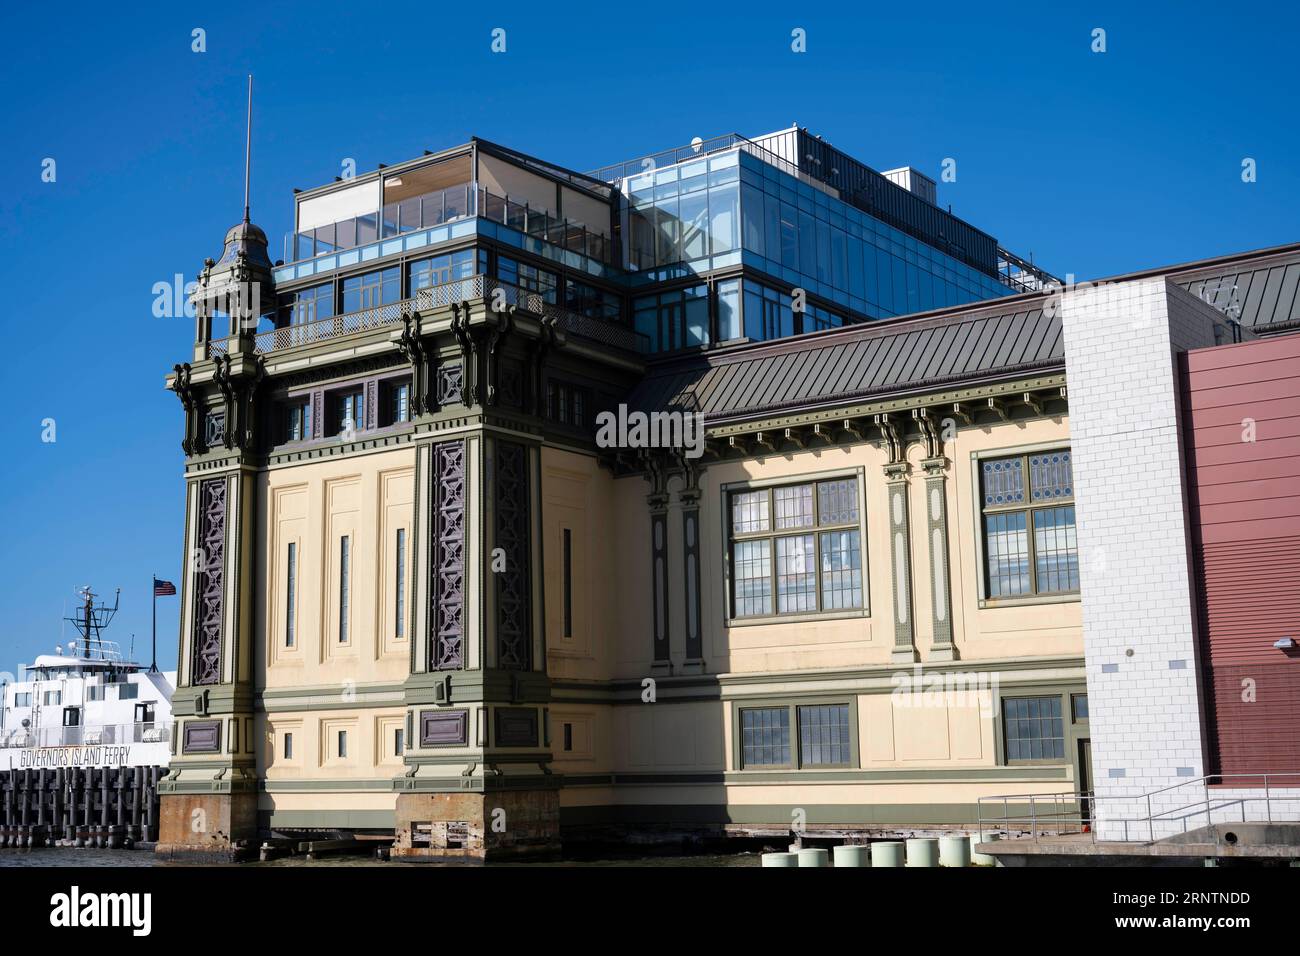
(207,826)
(478,827)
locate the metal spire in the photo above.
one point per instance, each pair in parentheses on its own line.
(248,145)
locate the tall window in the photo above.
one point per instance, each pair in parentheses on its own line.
(291,595)
(439,270)
(1033,728)
(674,320)
(529,278)
(288,746)
(796,549)
(343,743)
(568,582)
(345,593)
(400,601)
(372,289)
(350,412)
(395,406)
(1030,545)
(297,421)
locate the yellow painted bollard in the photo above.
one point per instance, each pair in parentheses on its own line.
(813,856)
(781,859)
(887,853)
(922,852)
(852,855)
(954,850)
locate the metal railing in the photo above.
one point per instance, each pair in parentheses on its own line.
(454,203)
(440,296)
(1054,814)
(617,172)
(143,732)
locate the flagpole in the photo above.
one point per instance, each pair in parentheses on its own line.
(153,664)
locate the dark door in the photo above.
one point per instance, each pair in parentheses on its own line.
(1085,778)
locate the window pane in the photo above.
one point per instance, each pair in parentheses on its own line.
(1051,476)
(837,501)
(824,735)
(1034,728)
(1006,545)
(794,507)
(765,737)
(841,560)
(796,575)
(749,512)
(1056,550)
(1004,482)
(753,577)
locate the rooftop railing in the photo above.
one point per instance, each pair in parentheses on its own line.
(463,201)
(440,296)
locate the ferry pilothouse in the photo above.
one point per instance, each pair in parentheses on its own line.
(85,705)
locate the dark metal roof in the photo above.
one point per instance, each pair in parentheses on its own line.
(860,360)
(1260,292)
(963,345)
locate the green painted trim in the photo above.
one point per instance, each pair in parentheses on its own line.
(778,816)
(1016,773)
(868,680)
(317,690)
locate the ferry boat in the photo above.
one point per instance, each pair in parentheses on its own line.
(86,706)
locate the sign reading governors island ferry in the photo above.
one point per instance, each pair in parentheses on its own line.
(103,755)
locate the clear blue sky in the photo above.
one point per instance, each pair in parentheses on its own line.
(1096,163)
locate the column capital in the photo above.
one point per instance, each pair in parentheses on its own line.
(935,467)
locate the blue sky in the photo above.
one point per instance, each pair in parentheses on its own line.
(1097,164)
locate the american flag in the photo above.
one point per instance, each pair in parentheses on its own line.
(163,588)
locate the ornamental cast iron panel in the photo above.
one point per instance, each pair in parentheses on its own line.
(210,583)
(514,635)
(447,645)
(451,380)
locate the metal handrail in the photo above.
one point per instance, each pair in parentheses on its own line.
(439,296)
(1206,806)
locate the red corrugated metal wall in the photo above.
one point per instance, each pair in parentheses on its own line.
(1245,495)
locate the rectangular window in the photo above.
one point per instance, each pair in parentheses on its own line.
(345,593)
(765,737)
(400,574)
(568,583)
(25,700)
(568,737)
(1079,707)
(53,697)
(297,421)
(342,743)
(128,691)
(440,270)
(397,741)
(371,290)
(291,595)
(1030,545)
(350,412)
(93,692)
(824,739)
(529,278)
(288,746)
(1033,728)
(800,543)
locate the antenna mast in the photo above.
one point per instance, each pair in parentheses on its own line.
(248,145)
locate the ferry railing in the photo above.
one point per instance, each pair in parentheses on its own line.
(90,735)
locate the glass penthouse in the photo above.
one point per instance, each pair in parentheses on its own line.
(701,246)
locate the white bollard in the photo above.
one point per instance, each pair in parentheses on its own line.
(780,859)
(852,854)
(983,859)
(954,850)
(887,853)
(923,852)
(814,856)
